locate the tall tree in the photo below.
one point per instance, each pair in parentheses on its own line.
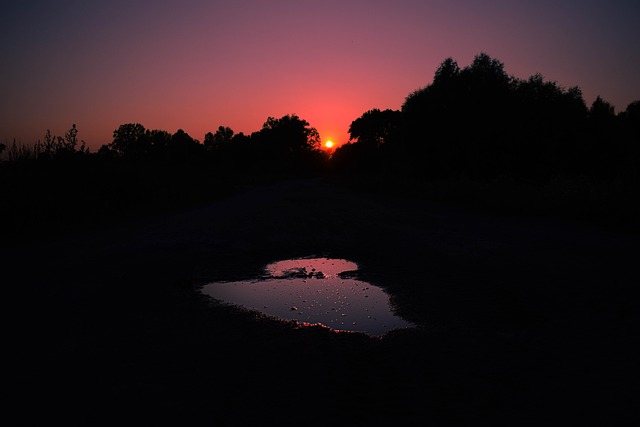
(290,133)
(130,140)
(376,127)
(223,136)
(446,72)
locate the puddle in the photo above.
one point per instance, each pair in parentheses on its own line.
(314,291)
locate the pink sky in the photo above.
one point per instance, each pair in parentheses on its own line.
(197,65)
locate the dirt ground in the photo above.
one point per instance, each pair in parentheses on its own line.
(522,321)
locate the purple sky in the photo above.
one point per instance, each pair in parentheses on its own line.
(197,65)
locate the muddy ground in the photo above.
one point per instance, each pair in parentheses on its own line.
(522,321)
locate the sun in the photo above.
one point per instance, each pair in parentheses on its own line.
(328,144)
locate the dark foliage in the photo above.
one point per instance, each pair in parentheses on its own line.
(481,124)
(475,124)
(374,138)
(56,186)
(223,136)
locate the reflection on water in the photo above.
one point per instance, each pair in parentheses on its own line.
(315,290)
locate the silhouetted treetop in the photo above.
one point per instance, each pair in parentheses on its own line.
(376,127)
(486,71)
(130,139)
(601,110)
(482,122)
(133,141)
(223,135)
(289,133)
(183,139)
(633,110)
(446,72)
(631,123)
(545,109)
(160,139)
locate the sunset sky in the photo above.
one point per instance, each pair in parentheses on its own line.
(197,65)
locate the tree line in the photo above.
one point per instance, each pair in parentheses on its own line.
(283,145)
(58,184)
(480,123)
(473,124)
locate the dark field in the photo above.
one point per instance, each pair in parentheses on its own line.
(522,321)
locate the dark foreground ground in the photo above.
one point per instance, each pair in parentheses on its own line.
(523,321)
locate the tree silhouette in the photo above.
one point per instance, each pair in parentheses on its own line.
(449,126)
(376,127)
(181,141)
(482,123)
(545,127)
(130,140)
(601,113)
(290,133)
(288,144)
(223,135)
(373,144)
(240,139)
(632,112)
(631,122)
(446,72)
(160,140)
(485,74)
(605,147)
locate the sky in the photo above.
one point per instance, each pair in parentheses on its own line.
(196,65)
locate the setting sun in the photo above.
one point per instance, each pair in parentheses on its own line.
(328,144)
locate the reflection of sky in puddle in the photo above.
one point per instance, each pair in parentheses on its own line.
(314,291)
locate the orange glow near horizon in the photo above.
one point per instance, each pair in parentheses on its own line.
(330,141)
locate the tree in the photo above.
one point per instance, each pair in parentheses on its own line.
(285,145)
(446,72)
(160,139)
(544,110)
(376,127)
(182,144)
(290,133)
(130,140)
(545,128)
(223,135)
(633,111)
(373,143)
(456,125)
(601,110)
(485,74)
(240,139)
(631,121)
(601,119)
(181,138)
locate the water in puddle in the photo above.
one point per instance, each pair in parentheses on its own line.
(312,291)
